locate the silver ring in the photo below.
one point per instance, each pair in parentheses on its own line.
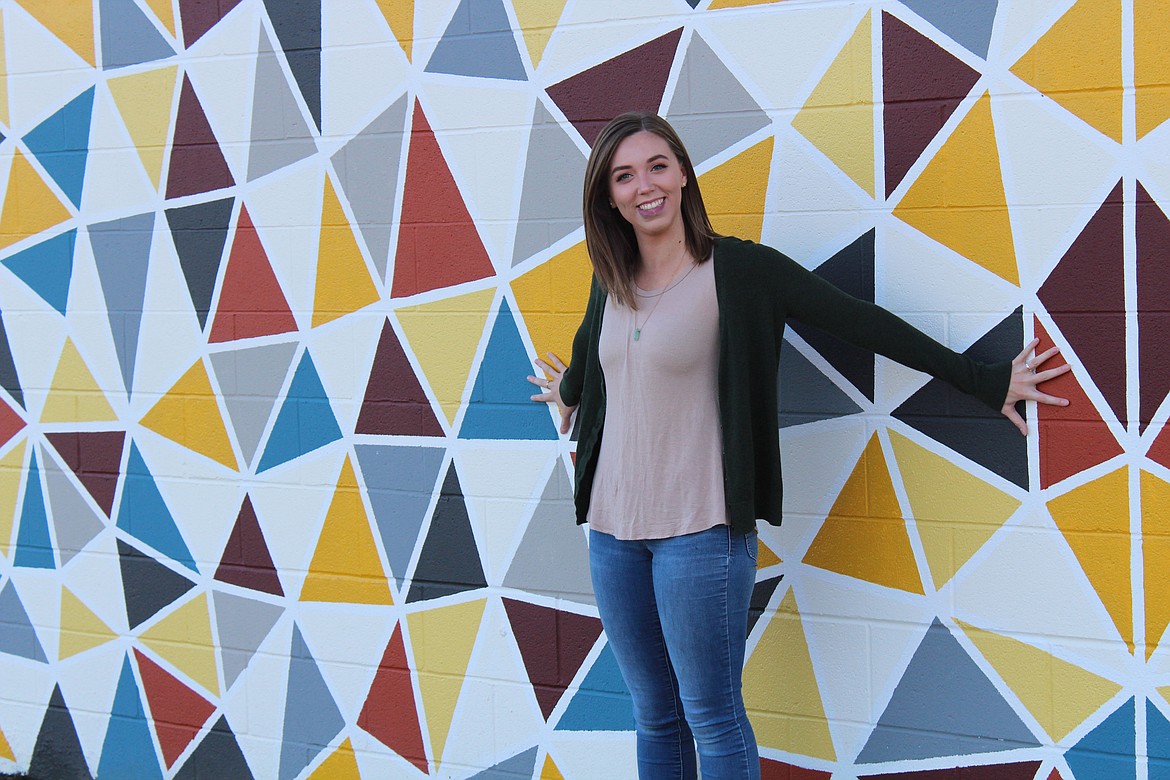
(1028,366)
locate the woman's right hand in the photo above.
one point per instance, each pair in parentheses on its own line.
(550,383)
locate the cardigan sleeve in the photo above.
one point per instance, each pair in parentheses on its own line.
(573,380)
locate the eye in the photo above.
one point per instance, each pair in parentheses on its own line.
(659,167)
(622,177)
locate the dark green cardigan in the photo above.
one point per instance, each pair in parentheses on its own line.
(758,289)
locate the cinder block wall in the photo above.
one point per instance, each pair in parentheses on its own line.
(274,503)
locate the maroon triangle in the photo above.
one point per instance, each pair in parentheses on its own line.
(197,164)
(1025,770)
(1153,310)
(589,99)
(1085,294)
(553,645)
(199,16)
(96,459)
(922,85)
(389,713)
(246,561)
(395,403)
(778,770)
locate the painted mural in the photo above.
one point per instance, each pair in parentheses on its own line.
(274,502)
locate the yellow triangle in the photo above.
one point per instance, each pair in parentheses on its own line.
(3,79)
(11,472)
(81,629)
(165,12)
(1156,554)
(144,100)
(189,415)
(955,512)
(75,395)
(29,205)
(1094,519)
(864,535)
(538,19)
(552,298)
(1059,695)
(442,640)
(1151,66)
(550,771)
(1077,63)
(735,191)
(959,199)
(400,16)
(838,117)
(342,765)
(767,557)
(343,279)
(69,20)
(183,638)
(1165,691)
(5,748)
(346,567)
(786,709)
(444,336)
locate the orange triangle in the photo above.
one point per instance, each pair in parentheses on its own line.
(346,566)
(1151,66)
(1156,557)
(400,16)
(864,535)
(69,20)
(342,765)
(5,748)
(736,190)
(550,771)
(189,415)
(767,557)
(552,297)
(251,302)
(29,204)
(344,284)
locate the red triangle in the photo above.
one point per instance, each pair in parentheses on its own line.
(246,561)
(11,423)
(389,713)
(776,770)
(199,16)
(96,459)
(395,403)
(197,164)
(1055,775)
(1074,437)
(589,99)
(922,85)
(1159,451)
(177,711)
(251,302)
(551,668)
(1153,309)
(438,245)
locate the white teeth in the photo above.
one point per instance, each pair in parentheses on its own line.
(652,204)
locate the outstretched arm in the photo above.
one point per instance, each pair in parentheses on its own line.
(1025,381)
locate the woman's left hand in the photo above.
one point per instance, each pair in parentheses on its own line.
(1026,375)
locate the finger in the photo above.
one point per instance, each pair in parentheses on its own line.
(537,380)
(545,367)
(1047,354)
(1011,413)
(1051,400)
(1023,356)
(1052,373)
(557,362)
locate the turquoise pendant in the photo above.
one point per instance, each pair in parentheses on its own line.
(637,333)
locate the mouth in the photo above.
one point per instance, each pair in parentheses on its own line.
(651,207)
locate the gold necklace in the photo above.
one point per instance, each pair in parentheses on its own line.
(658,295)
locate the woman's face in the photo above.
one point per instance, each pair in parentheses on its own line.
(645,185)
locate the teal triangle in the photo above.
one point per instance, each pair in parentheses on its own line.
(311,716)
(128,751)
(1157,743)
(128,37)
(479,42)
(34,548)
(1107,752)
(61,144)
(603,702)
(47,268)
(500,406)
(18,637)
(305,422)
(144,515)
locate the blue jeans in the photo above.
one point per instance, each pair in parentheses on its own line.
(675,612)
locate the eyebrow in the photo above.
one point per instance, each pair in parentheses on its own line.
(617,168)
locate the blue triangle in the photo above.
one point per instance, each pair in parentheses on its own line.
(305,422)
(18,637)
(969,22)
(500,405)
(311,716)
(1107,752)
(128,751)
(603,703)
(34,549)
(128,37)
(479,42)
(61,144)
(144,515)
(121,251)
(47,268)
(519,765)
(1157,743)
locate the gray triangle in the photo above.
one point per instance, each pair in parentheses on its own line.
(805,394)
(311,717)
(243,625)
(400,482)
(250,381)
(121,251)
(549,211)
(75,522)
(944,705)
(18,637)
(128,37)
(520,765)
(367,167)
(280,134)
(552,559)
(969,22)
(710,109)
(479,42)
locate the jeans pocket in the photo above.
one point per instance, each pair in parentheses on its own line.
(751,542)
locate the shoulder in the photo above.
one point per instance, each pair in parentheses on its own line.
(740,261)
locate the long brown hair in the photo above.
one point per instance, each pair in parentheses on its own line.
(609,238)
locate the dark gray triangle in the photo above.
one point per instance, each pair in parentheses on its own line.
(121,251)
(549,211)
(311,717)
(58,753)
(243,624)
(969,22)
(147,585)
(128,37)
(280,135)
(75,522)
(805,394)
(449,562)
(479,42)
(761,597)
(520,765)
(8,377)
(18,637)
(367,167)
(250,381)
(553,559)
(298,28)
(218,755)
(944,705)
(710,109)
(199,232)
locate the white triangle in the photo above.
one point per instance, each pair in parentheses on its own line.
(43,73)
(115,180)
(1156,176)
(1019,24)
(348,642)
(42,332)
(593,753)
(31,684)
(41,598)
(88,683)
(95,576)
(355,42)
(575,45)
(90,325)
(257,700)
(343,354)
